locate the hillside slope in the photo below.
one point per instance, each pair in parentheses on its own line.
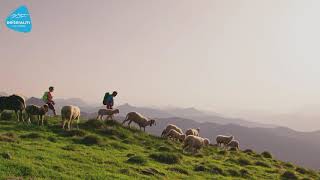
(284,143)
(111,151)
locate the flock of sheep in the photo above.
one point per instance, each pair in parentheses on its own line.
(191,138)
(193,142)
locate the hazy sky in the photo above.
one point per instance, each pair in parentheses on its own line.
(212,54)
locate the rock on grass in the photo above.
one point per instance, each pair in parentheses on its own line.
(91,140)
(167,158)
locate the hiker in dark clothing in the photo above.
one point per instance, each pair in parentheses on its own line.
(108,99)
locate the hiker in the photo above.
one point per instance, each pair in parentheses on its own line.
(48,99)
(108,99)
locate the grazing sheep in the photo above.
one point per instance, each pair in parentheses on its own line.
(139,119)
(108,112)
(194,132)
(221,139)
(233,144)
(175,135)
(194,143)
(32,110)
(169,127)
(15,103)
(69,114)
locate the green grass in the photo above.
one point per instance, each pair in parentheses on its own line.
(111,151)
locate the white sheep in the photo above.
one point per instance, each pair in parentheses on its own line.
(139,119)
(108,112)
(32,110)
(194,143)
(175,135)
(194,132)
(223,140)
(69,114)
(233,144)
(169,127)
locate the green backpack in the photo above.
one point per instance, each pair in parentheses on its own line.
(45,97)
(105,98)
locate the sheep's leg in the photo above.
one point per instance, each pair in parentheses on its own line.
(78,119)
(225,146)
(63,122)
(41,117)
(130,121)
(16,112)
(69,123)
(125,121)
(98,117)
(21,115)
(28,117)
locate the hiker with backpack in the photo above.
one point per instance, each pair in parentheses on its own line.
(108,99)
(48,99)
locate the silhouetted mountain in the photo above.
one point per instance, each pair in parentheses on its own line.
(186,112)
(302,119)
(72,101)
(150,112)
(34,101)
(189,113)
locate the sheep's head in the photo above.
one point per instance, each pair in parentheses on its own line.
(198,129)
(182,137)
(163,132)
(206,141)
(152,121)
(45,108)
(116,111)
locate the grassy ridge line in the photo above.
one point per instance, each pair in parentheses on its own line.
(110,151)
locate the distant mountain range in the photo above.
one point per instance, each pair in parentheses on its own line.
(301,119)
(189,113)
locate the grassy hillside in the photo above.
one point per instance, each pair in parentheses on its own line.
(110,151)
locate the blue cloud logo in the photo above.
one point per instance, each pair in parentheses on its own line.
(19,20)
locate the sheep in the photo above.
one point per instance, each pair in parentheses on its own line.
(69,114)
(194,132)
(139,119)
(195,143)
(221,139)
(175,135)
(14,102)
(233,144)
(36,110)
(169,127)
(108,112)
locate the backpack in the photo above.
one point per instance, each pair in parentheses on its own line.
(45,97)
(105,98)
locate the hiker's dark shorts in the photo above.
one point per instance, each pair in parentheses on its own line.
(50,105)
